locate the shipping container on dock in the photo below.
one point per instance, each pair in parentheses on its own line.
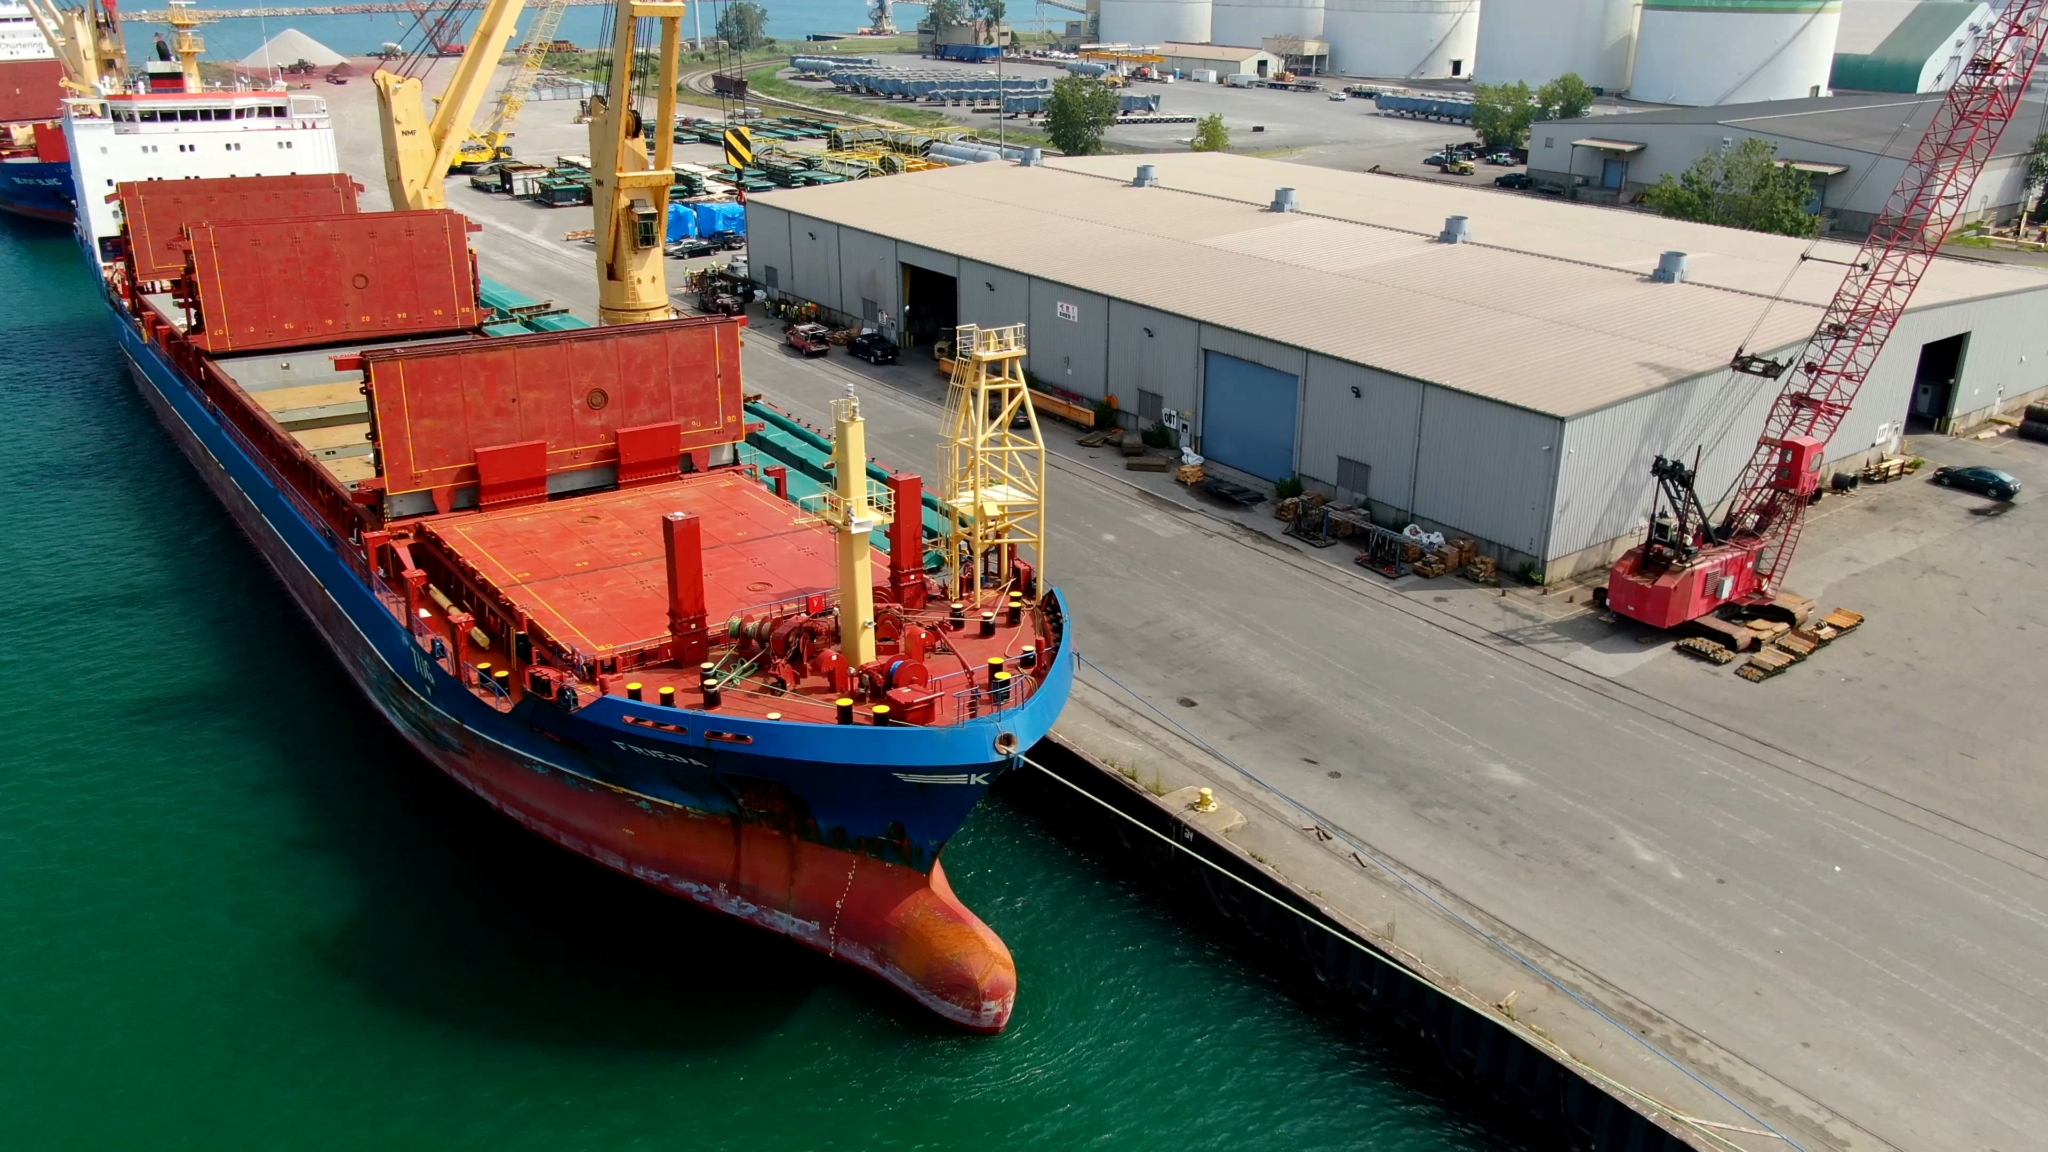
(554,565)
(156,223)
(310,280)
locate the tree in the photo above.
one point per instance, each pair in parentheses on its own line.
(1565,98)
(743,25)
(1502,113)
(1077,113)
(1211,135)
(945,13)
(2036,175)
(1741,187)
(990,13)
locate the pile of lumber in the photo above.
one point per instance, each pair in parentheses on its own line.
(1454,556)
(1111,437)
(1293,507)
(1483,570)
(1712,651)
(1189,474)
(1787,646)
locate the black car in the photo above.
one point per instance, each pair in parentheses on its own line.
(728,241)
(1513,180)
(1983,481)
(691,248)
(872,347)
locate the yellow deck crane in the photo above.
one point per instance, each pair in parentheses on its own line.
(488,143)
(992,466)
(88,45)
(419,149)
(629,189)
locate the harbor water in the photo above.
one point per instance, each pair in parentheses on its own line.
(240,913)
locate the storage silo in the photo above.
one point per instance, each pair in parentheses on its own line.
(1702,52)
(1244,23)
(1402,39)
(1154,22)
(1536,41)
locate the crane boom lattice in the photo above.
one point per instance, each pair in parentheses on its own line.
(1686,570)
(993,463)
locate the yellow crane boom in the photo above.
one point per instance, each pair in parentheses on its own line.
(419,149)
(87,42)
(489,141)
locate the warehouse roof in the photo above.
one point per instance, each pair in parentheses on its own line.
(1180,51)
(1865,123)
(1552,310)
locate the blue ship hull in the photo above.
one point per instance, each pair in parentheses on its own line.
(38,189)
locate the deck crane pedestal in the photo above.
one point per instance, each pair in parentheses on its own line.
(629,189)
(1688,569)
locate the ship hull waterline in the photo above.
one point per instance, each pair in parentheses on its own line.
(899,922)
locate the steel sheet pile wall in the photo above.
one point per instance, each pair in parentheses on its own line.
(32,91)
(433,407)
(325,279)
(156,213)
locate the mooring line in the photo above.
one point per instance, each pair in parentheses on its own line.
(1447,910)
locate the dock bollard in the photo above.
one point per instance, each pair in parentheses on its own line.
(633,691)
(956,616)
(712,696)
(503,679)
(1016,611)
(667,695)
(845,706)
(1028,659)
(995,668)
(775,716)
(1003,688)
(1205,801)
(988,625)
(881,715)
(483,673)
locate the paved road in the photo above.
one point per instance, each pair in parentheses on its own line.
(1826,951)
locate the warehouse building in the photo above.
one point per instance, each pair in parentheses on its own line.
(1222,59)
(1854,149)
(1507,376)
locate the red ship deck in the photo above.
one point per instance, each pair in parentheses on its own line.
(591,571)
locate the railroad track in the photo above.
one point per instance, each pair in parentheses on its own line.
(700,83)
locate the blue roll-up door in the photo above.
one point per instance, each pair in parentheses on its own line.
(1248,416)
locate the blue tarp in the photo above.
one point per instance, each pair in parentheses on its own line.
(682,222)
(723,216)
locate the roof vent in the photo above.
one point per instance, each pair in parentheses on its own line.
(1283,201)
(1670,268)
(1457,230)
(1148,177)
(1033,158)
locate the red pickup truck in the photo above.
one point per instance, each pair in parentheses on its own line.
(809,339)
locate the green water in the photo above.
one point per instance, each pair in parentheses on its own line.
(237,912)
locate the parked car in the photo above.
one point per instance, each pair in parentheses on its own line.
(1501,159)
(1340,96)
(728,241)
(872,347)
(810,339)
(1983,481)
(1518,180)
(691,247)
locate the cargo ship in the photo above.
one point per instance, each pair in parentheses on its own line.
(558,563)
(35,168)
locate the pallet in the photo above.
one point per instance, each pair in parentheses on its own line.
(1705,649)
(1148,464)
(1766,664)
(1842,620)
(1189,474)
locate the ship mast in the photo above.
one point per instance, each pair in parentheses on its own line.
(993,471)
(856,506)
(188,46)
(629,191)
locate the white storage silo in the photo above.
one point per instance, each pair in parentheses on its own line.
(1703,52)
(1536,41)
(1154,22)
(1401,39)
(1244,23)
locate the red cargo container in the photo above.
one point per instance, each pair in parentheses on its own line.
(157,212)
(31,91)
(326,279)
(510,412)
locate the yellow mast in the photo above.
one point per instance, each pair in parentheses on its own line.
(856,506)
(994,474)
(418,149)
(187,44)
(628,191)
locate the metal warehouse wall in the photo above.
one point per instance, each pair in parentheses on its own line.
(1154,351)
(1604,492)
(814,261)
(1068,353)
(993,297)
(1487,469)
(1379,427)
(868,271)
(768,243)
(944,263)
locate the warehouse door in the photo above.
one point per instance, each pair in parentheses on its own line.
(931,307)
(1248,416)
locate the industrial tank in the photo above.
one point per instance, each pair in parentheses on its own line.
(1154,22)
(1709,52)
(1402,39)
(1536,41)
(1244,23)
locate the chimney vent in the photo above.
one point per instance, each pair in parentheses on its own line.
(1457,230)
(1670,268)
(1148,177)
(1283,201)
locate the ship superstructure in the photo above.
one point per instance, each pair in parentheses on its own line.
(33,178)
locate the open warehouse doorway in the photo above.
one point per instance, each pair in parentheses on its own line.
(931,306)
(1934,382)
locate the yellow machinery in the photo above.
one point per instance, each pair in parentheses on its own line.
(418,149)
(993,469)
(629,191)
(856,507)
(88,45)
(488,143)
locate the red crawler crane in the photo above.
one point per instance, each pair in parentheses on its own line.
(1687,569)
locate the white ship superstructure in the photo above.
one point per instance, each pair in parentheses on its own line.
(20,39)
